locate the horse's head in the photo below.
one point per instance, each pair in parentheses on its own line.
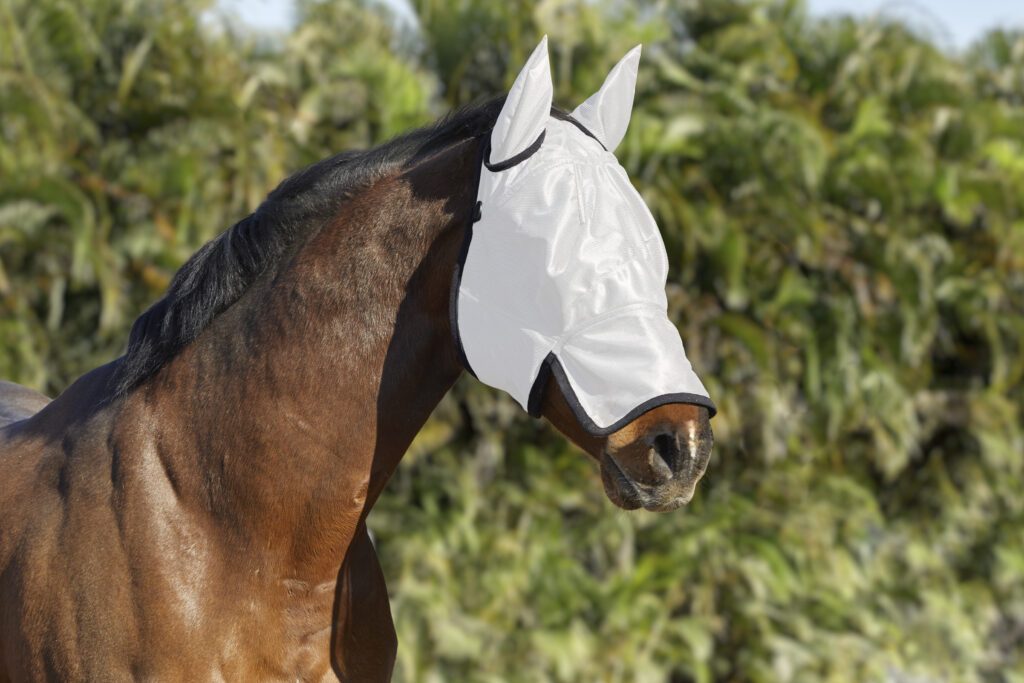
(560,294)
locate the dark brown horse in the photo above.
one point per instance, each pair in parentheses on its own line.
(195,510)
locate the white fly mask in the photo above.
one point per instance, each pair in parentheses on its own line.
(563,273)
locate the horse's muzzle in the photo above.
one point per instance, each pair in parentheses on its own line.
(659,469)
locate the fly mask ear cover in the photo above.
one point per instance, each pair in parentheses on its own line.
(563,274)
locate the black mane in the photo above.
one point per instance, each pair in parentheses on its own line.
(220,272)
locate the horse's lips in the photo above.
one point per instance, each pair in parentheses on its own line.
(631,498)
(631,494)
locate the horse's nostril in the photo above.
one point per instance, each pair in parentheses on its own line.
(664,454)
(664,441)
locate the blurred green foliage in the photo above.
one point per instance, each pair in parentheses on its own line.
(843,205)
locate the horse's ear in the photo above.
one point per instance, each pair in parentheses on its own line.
(606,112)
(527,107)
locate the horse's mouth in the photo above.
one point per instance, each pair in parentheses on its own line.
(630,495)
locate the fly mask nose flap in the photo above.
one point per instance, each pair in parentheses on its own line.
(564,273)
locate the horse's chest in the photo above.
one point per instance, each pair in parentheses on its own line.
(93,593)
(227,636)
(246,629)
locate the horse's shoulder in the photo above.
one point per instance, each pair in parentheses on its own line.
(18,451)
(38,440)
(21,452)
(53,458)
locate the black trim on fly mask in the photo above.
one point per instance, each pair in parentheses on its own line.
(483,159)
(453,293)
(552,367)
(513,160)
(586,131)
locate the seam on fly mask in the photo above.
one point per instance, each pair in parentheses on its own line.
(509,191)
(505,315)
(584,214)
(557,342)
(640,307)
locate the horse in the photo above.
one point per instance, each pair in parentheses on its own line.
(196,509)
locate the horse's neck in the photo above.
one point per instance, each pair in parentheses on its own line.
(291,411)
